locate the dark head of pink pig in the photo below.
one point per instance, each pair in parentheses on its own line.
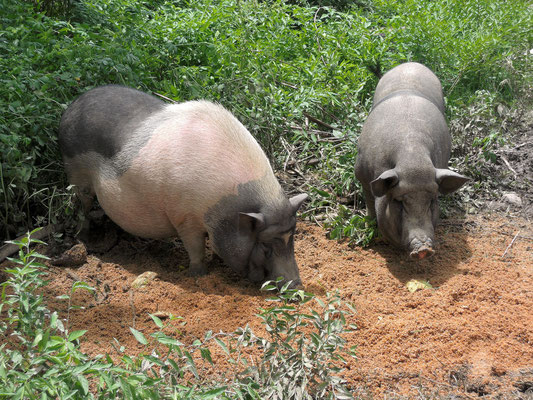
(404,150)
(254,235)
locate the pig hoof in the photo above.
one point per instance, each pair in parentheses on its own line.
(295,284)
(422,252)
(197,270)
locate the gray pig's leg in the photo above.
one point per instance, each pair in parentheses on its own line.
(194,241)
(370,202)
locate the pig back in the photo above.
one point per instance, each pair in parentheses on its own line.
(197,153)
(101,120)
(413,77)
(400,129)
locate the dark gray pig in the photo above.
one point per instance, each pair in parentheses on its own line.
(189,169)
(404,150)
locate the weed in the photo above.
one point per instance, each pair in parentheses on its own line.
(300,358)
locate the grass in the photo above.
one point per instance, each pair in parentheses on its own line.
(296,73)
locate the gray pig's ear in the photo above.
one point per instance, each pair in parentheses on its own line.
(383,183)
(448,180)
(251,222)
(297,201)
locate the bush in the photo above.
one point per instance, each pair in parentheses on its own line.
(300,358)
(297,74)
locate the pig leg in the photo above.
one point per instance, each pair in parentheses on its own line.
(194,241)
(370,202)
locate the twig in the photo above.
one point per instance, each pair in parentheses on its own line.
(317,222)
(510,244)
(445,384)
(325,136)
(510,150)
(522,144)
(317,121)
(165,97)
(291,85)
(289,153)
(72,275)
(328,113)
(519,236)
(508,165)
(441,363)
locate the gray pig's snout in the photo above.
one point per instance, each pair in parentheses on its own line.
(421,250)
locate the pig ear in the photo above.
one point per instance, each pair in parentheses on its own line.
(383,183)
(448,180)
(297,201)
(251,222)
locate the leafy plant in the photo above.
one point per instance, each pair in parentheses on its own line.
(41,359)
(299,75)
(300,358)
(303,352)
(358,229)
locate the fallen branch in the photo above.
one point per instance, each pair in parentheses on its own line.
(510,244)
(317,121)
(165,97)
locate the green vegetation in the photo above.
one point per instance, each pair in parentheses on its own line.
(300,357)
(297,74)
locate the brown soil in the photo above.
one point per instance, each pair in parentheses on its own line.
(470,335)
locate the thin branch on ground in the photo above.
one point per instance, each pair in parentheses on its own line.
(510,244)
(317,121)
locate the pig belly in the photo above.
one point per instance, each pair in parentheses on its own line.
(132,210)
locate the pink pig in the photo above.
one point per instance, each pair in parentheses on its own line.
(189,169)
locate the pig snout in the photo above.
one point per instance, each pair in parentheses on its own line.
(421,249)
(295,281)
(288,271)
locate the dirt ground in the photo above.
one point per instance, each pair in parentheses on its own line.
(470,335)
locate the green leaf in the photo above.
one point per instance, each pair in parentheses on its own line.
(82,285)
(222,345)
(84,384)
(139,336)
(157,321)
(206,355)
(75,335)
(211,394)
(167,340)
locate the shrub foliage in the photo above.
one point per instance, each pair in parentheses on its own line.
(297,73)
(300,357)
